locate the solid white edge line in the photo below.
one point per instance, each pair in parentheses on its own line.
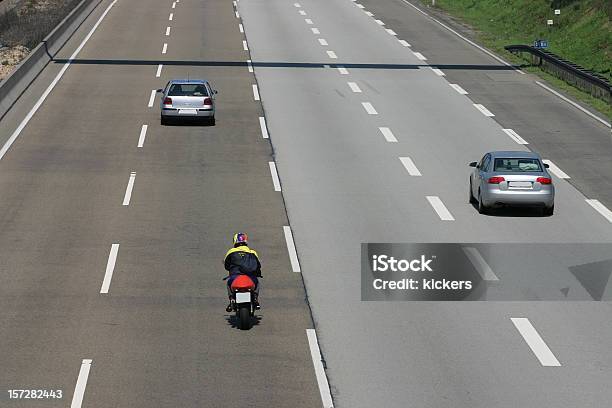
(128,190)
(483,110)
(332,55)
(600,208)
(554,169)
(515,136)
(410,167)
(57,78)
(81,384)
(317,361)
(342,70)
(574,104)
(440,208)
(369,108)
(275,179)
(143,135)
(535,342)
(438,72)
(388,134)
(165,48)
(459,89)
(482,267)
(464,38)
(263,127)
(354,87)
(256,92)
(250,65)
(295,263)
(152,98)
(110,268)
(159,70)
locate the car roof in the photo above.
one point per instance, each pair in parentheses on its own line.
(515,154)
(188,81)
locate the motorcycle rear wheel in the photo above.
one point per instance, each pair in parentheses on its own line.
(244,317)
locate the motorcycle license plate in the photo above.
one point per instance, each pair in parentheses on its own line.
(243,297)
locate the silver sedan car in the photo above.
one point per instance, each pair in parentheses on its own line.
(187,98)
(513,179)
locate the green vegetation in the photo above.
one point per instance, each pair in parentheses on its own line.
(580,34)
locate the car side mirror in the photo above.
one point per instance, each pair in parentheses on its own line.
(474,164)
(546,166)
(159,90)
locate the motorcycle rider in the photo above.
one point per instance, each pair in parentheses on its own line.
(242,260)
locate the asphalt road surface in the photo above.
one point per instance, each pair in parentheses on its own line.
(371,144)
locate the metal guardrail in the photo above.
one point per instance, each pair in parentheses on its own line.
(574,74)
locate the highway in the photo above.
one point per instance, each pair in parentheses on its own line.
(113,228)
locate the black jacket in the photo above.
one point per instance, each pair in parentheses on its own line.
(242,260)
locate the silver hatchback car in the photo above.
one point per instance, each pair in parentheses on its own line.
(187,98)
(511,178)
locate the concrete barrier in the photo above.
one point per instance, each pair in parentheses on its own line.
(13,86)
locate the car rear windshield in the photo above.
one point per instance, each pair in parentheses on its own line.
(517,165)
(188,90)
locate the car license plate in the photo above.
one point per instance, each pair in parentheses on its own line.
(243,297)
(520,184)
(188,112)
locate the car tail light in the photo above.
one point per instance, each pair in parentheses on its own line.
(544,180)
(167,101)
(496,180)
(207,101)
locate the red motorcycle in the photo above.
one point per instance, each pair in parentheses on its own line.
(242,298)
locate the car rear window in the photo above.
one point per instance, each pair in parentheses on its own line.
(517,165)
(188,90)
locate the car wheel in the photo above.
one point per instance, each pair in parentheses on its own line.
(482,209)
(212,121)
(472,200)
(163,120)
(548,211)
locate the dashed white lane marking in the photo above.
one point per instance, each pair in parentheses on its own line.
(458,89)
(315,30)
(317,361)
(298,5)
(110,268)
(143,135)
(343,71)
(308,21)
(379,22)
(81,384)
(464,38)
(600,208)
(7,145)
(483,110)
(410,167)
(574,104)
(174,5)
(245,46)
(554,169)
(438,72)
(165,48)
(369,13)
(171,16)
(295,263)
(420,56)
(275,179)
(390,31)
(302,12)
(354,87)
(159,70)
(404,43)
(440,208)
(263,127)
(332,55)
(388,134)
(168,30)
(250,65)
(482,267)
(515,136)
(535,342)
(369,108)
(236,14)
(323,41)
(255,92)
(241,27)
(360,5)
(152,98)
(128,190)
